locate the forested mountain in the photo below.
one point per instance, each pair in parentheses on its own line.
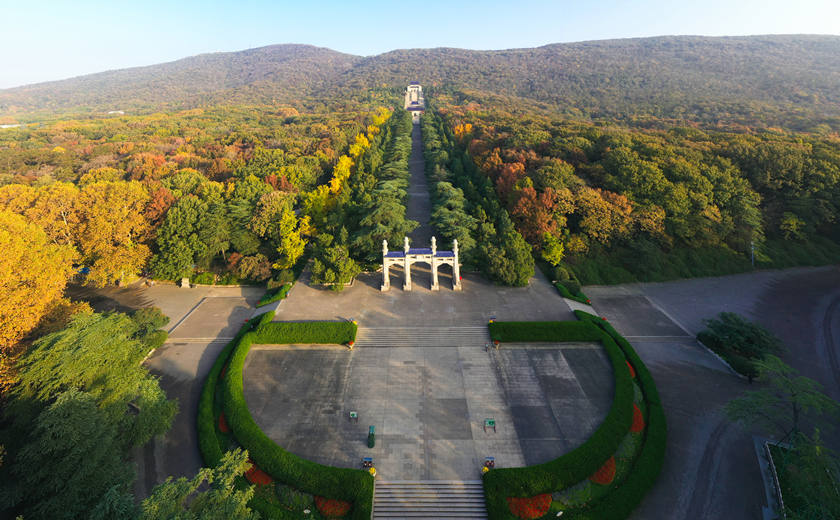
(791,81)
(264,75)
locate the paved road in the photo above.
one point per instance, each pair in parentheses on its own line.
(710,468)
(419,205)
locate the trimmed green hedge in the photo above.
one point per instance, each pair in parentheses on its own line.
(586,459)
(353,485)
(566,293)
(273,295)
(539,331)
(579,464)
(323,332)
(642,373)
(626,496)
(208,443)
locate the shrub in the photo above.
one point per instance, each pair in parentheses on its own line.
(739,341)
(155,339)
(563,289)
(229,279)
(257,476)
(283,277)
(605,474)
(204,278)
(294,499)
(638,420)
(539,331)
(529,507)
(273,295)
(318,332)
(256,268)
(561,273)
(332,508)
(573,286)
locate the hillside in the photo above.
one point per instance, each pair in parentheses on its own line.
(774,78)
(791,81)
(262,75)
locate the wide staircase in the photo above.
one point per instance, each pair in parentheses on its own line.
(422,336)
(429,499)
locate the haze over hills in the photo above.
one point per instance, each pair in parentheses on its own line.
(774,80)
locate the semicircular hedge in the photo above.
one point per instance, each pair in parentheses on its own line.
(352,485)
(585,460)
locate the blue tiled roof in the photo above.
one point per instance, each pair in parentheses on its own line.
(420,251)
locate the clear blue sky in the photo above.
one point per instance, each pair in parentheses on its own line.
(44,40)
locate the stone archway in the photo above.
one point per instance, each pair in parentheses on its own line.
(410,256)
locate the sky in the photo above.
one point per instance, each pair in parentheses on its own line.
(44,40)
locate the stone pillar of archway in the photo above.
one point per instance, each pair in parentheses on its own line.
(433,262)
(386,268)
(407,285)
(456,268)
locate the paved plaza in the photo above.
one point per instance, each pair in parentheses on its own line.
(421,307)
(428,404)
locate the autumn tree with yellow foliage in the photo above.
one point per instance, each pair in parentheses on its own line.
(33,274)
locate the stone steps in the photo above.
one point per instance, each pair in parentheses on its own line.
(422,336)
(429,499)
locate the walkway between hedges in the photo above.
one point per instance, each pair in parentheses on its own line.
(419,204)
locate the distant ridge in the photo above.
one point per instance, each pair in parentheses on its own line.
(286,70)
(683,77)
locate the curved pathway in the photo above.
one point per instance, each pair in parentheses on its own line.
(710,467)
(832,347)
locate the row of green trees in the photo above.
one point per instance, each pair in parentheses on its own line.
(465,207)
(369,209)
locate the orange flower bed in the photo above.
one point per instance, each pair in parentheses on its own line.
(529,507)
(606,474)
(223,425)
(257,476)
(332,508)
(638,420)
(632,370)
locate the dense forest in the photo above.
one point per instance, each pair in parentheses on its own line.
(786,81)
(617,204)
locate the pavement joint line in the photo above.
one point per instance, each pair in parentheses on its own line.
(667,315)
(187,315)
(658,337)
